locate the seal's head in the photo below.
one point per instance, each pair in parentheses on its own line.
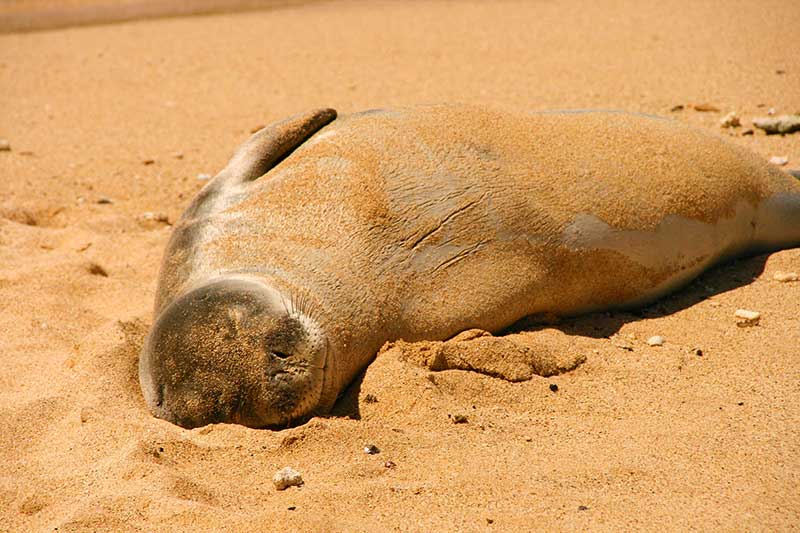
(233,351)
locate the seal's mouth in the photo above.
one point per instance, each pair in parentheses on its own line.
(231,351)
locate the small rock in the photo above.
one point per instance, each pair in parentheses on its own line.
(784,277)
(287,477)
(105,200)
(678,107)
(583,508)
(731,120)
(748,132)
(291,508)
(389,464)
(782,124)
(553,387)
(159,218)
(622,343)
(177,155)
(747,318)
(371,449)
(779,160)
(771,111)
(370,398)
(204,177)
(5,146)
(459,419)
(148,161)
(656,340)
(780,71)
(97,270)
(698,352)
(706,108)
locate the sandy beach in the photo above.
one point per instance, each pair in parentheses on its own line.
(111,126)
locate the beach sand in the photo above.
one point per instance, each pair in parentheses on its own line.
(110,126)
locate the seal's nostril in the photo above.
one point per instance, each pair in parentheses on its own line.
(280,355)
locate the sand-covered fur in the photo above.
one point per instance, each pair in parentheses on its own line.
(418,223)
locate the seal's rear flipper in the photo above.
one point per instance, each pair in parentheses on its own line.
(270,145)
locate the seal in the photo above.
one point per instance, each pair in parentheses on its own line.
(326,237)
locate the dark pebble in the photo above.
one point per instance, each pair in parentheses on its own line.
(459,419)
(371,449)
(554,387)
(583,508)
(97,270)
(291,508)
(370,398)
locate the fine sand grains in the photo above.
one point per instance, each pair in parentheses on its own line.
(699,433)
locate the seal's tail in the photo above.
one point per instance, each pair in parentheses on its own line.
(777,222)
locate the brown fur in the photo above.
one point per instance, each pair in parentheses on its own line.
(423,222)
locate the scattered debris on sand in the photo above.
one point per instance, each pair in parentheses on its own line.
(782,124)
(287,477)
(150,219)
(371,449)
(785,277)
(97,270)
(747,318)
(731,120)
(656,340)
(705,108)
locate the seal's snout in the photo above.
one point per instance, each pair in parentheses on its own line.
(231,351)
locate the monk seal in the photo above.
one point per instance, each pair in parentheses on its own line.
(325,237)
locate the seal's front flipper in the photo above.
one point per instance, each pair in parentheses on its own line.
(516,357)
(270,145)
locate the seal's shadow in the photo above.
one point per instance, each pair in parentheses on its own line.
(347,405)
(717,280)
